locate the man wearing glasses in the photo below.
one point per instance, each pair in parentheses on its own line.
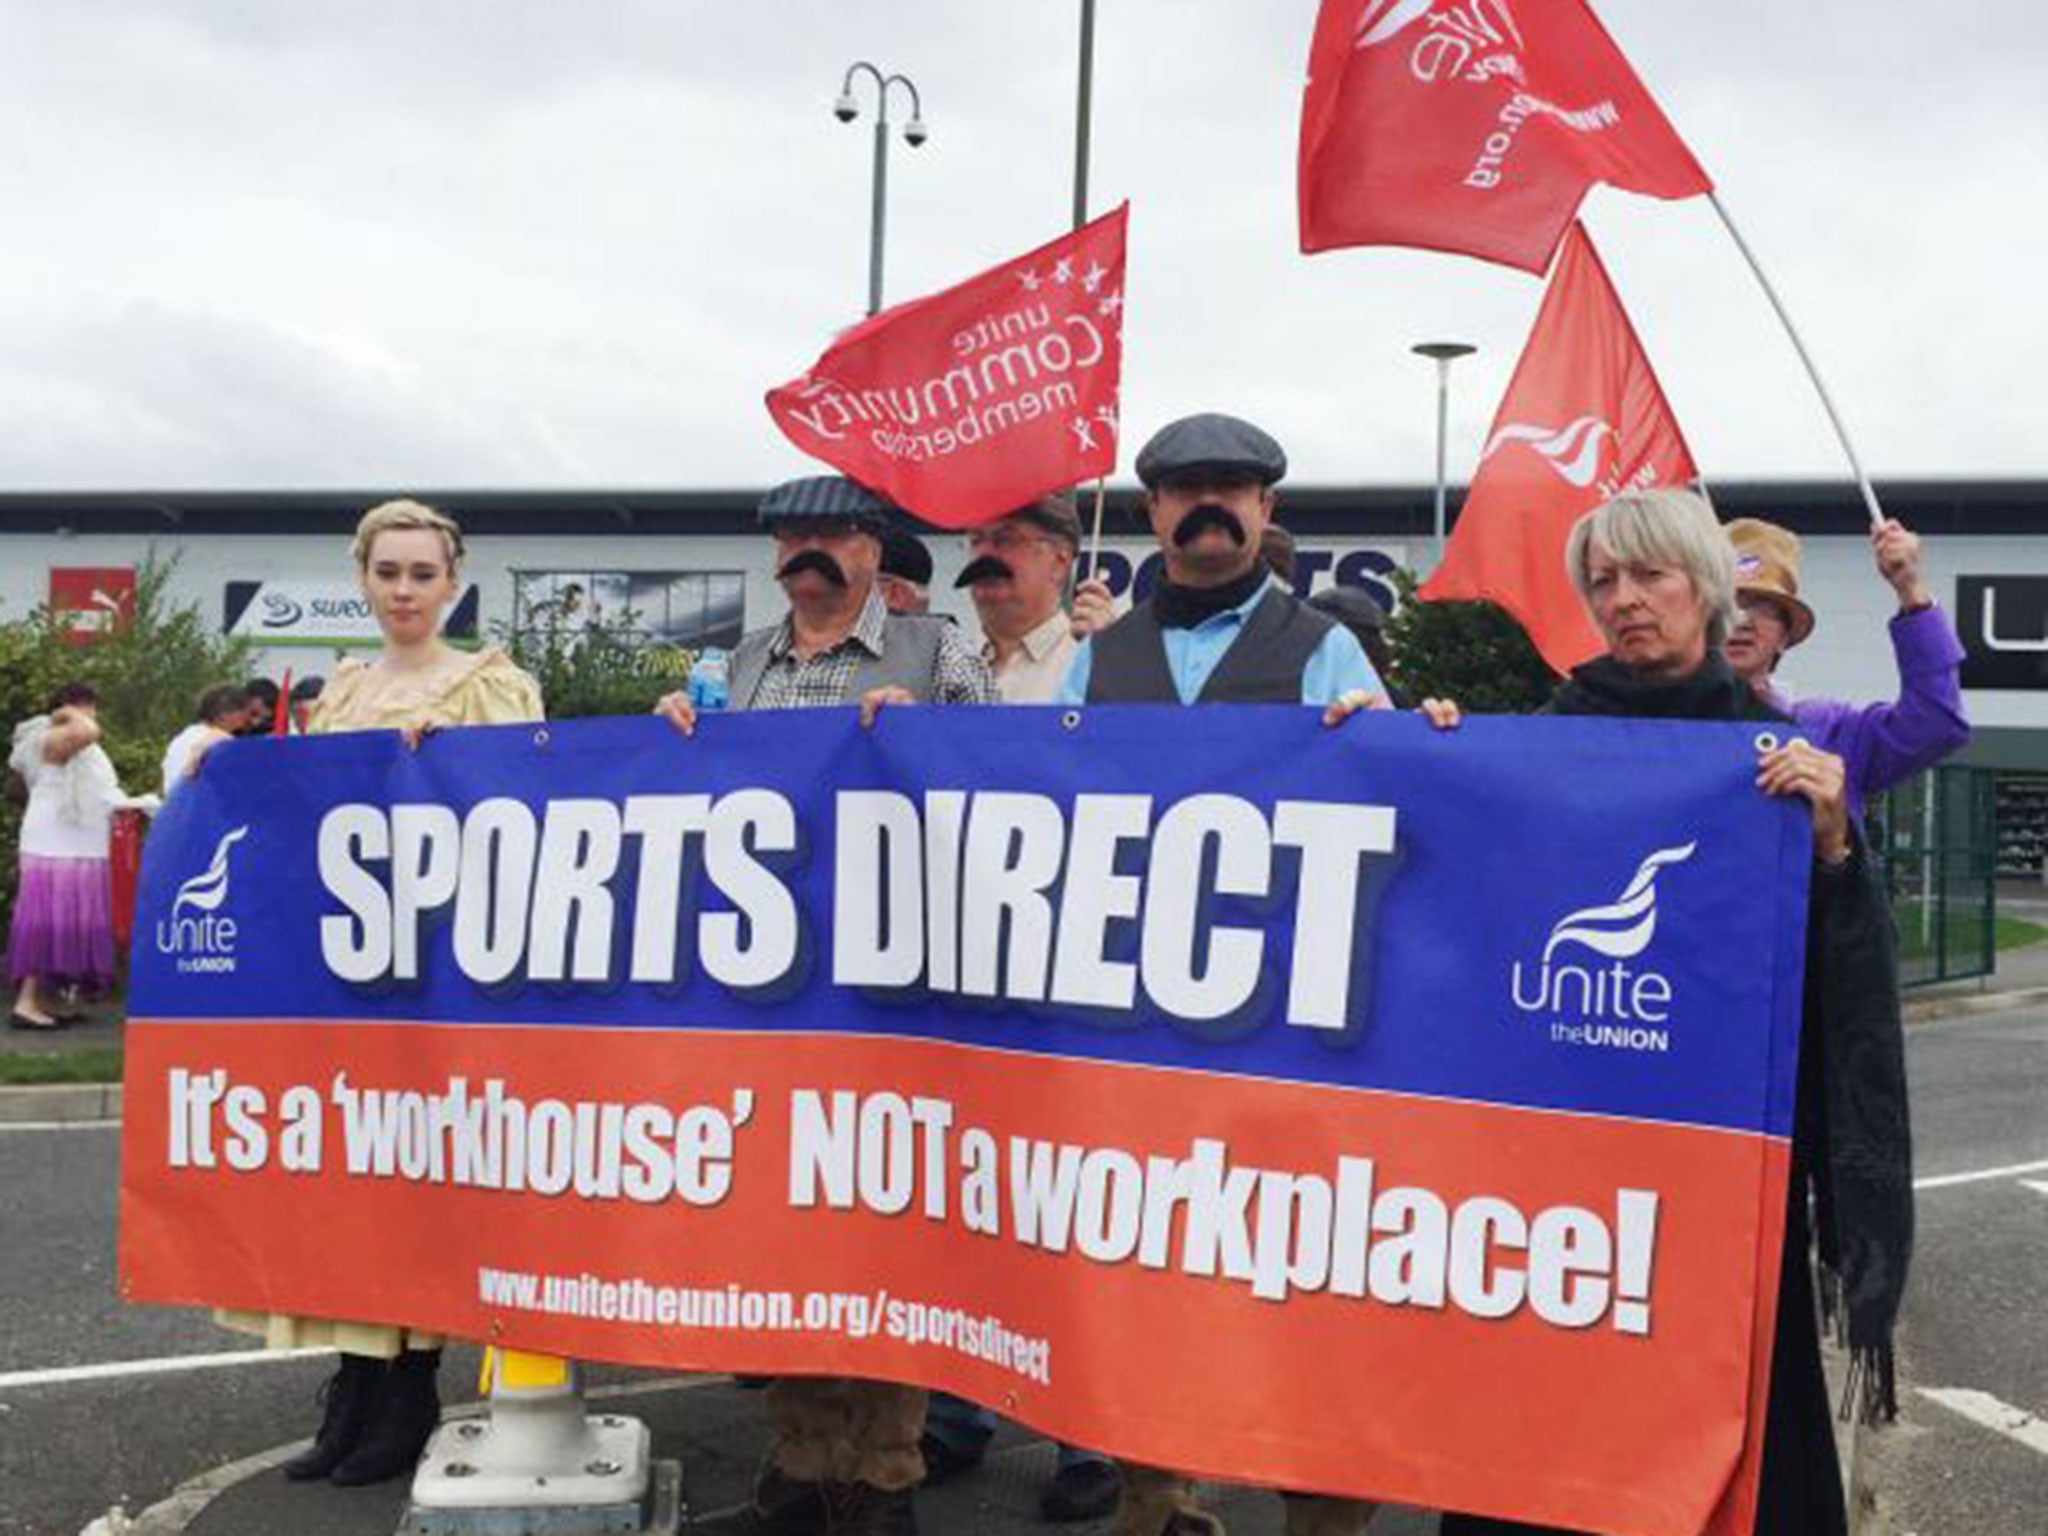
(1017,572)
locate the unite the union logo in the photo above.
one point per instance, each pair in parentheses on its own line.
(198,935)
(1575,450)
(1617,1005)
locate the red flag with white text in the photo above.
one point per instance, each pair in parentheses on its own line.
(1473,126)
(1583,420)
(964,405)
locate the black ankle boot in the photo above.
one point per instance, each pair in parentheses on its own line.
(350,1393)
(404,1417)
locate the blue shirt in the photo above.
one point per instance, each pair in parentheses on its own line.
(1337,666)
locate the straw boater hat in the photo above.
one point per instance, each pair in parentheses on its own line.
(1767,564)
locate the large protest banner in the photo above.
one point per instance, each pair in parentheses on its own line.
(1370,1110)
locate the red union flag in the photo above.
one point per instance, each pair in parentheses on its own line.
(1583,421)
(966,404)
(1473,126)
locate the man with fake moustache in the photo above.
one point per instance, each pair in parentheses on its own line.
(1017,573)
(1219,628)
(844,1453)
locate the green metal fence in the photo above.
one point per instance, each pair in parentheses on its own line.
(1937,836)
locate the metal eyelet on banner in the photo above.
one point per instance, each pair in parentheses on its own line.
(1766,741)
(1071,720)
(541,737)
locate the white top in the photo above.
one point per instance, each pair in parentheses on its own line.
(69,803)
(1033,672)
(178,755)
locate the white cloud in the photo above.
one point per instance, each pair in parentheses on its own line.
(479,241)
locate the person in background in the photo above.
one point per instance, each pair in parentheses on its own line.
(262,720)
(383,1400)
(1219,629)
(222,713)
(1355,609)
(1017,572)
(62,935)
(905,578)
(1276,548)
(1882,744)
(304,695)
(1658,577)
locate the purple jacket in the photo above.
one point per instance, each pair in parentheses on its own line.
(1885,744)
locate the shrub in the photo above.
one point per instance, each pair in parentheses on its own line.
(1471,652)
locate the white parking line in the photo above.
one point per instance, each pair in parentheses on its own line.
(2038,1186)
(60,1125)
(114,1370)
(1981,1175)
(1982,1408)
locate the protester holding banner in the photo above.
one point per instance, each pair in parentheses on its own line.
(383,1402)
(1883,744)
(1658,577)
(845,1455)
(62,933)
(1218,629)
(1017,572)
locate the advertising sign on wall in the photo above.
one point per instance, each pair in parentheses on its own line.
(87,602)
(327,613)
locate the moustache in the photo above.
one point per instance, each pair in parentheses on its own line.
(1208,515)
(985,568)
(812,560)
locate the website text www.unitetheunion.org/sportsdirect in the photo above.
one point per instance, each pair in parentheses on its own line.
(731,1308)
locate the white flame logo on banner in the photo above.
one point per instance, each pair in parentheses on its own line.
(1572,450)
(1622,929)
(1457,33)
(208,889)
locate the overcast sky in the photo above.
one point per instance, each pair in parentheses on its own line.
(266,243)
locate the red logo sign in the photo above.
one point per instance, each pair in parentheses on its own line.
(87,602)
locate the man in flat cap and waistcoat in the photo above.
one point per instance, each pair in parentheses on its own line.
(844,1452)
(1219,629)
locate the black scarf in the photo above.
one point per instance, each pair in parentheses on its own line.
(1178,607)
(1852,1122)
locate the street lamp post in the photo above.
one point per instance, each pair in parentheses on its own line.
(1443,354)
(846,109)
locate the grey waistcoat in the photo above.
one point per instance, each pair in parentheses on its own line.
(909,660)
(1263,665)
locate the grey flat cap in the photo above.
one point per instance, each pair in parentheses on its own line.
(1211,441)
(823,496)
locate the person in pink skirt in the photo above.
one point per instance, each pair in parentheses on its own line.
(63,930)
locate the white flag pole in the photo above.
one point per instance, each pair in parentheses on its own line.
(1799,346)
(1095,538)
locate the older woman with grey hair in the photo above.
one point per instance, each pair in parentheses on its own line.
(1657,574)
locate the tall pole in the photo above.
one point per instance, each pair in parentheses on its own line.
(846,109)
(878,220)
(1443,354)
(1806,358)
(1084,110)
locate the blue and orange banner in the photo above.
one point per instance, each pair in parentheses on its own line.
(1371,1110)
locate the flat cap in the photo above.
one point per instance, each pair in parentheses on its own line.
(904,556)
(1056,515)
(1211,441)
(823,496)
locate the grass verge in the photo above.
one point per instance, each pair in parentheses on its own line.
(94,1065)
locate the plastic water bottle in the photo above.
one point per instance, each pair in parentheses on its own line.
(707,681)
